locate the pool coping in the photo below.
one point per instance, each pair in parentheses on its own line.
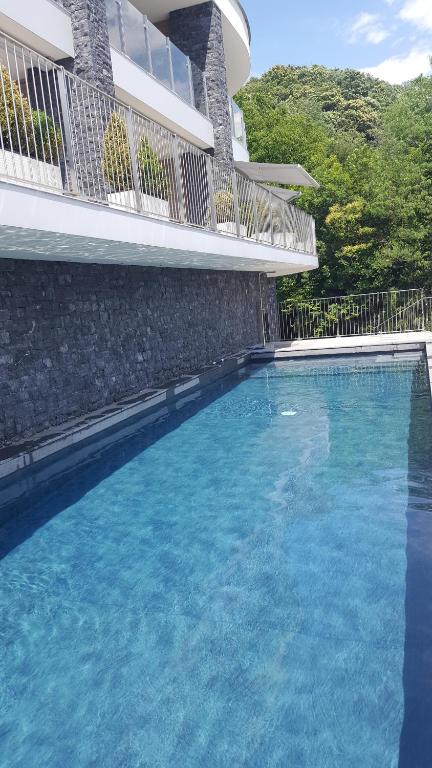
(412,341)
(18,456)
(26,453)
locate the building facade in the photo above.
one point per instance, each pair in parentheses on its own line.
(134,246)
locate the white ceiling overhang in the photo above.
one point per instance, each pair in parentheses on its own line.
(277,173)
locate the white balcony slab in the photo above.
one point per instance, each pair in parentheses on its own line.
(35,224)
(40,24)
(150,97)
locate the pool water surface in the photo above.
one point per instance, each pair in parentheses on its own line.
(246,582)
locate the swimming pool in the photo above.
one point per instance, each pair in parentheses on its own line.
(245,582)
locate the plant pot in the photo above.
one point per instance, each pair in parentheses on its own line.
(30,170)
(151,205)
(230,228)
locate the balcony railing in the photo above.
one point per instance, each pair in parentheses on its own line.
(135,36)
(238,124)
(357,315)
(60,133)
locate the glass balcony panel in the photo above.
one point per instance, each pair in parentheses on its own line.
(135,43)
(181,74)
(159,52)
(238,125)
(113,8)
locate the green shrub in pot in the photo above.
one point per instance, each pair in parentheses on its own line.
(117,167)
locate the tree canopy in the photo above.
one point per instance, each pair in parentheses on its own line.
(369,144)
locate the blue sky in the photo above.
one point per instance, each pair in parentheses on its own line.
(389,38)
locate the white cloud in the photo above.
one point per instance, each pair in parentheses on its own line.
(418,12)
(368,26)
(399,69)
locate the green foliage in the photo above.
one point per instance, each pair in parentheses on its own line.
(48,137)
(26,131)
(117,166)
(15,116)
(369,144)
(224,204)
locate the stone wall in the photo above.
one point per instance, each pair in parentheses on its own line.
(76,337)
(92,60)
(197,31)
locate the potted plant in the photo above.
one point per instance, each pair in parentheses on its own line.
(31,141)
(117,171)
(225,214)
(272,226)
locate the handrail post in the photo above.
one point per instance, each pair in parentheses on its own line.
(133,158)
(271,217)
(170,64)
(178,180)
(210,184)
(191,85)
(147,39)
(236,203)
(255,212)
(67,130)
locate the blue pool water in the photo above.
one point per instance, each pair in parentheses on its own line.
(230,586)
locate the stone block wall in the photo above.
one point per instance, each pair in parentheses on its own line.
(197,31)
(76,337)
(92,60)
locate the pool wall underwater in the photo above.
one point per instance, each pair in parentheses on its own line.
(242,579)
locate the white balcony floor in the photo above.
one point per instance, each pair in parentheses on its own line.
(41,225)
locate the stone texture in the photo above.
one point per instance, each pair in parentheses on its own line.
(197,31)
(76,337)
(92,60)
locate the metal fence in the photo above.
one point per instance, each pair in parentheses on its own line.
(368,313)
(60,133)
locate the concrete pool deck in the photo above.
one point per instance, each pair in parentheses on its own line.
(18,456)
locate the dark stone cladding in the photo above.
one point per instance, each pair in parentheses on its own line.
(92,60)
(198,32)
(271,310)
(76,337)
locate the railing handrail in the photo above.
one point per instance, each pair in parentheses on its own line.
(403,311)
(356,314)
(319,299)
(258,213)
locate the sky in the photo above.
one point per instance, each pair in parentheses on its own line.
(391,39)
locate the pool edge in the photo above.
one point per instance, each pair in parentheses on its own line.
(26,453)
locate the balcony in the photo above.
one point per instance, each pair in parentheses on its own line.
(60,135)
(135,36)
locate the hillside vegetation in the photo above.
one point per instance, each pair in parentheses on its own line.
(369,144)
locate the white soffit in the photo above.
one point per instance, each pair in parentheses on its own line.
(277,174)
(284,194)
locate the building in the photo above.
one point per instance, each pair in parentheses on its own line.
(135,242)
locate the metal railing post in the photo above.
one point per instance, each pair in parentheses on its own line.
(133,159)
(170,64)
(178,180)
(206,94)
(271,217)
(255,211)
(67,131)
(121,26)
(212,205)
(236,203)
(191,85)
(147,39)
